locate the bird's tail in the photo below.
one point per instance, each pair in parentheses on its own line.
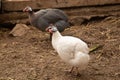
(81,60)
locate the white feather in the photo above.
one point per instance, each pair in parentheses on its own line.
(71,50)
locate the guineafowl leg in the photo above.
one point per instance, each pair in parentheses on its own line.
(76,71)
(71,69)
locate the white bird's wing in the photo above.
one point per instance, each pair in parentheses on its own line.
(67,47)
(82,47)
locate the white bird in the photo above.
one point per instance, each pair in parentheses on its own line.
(71,50)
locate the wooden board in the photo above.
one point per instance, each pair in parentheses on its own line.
(0,5)
(38,4)
(84,12)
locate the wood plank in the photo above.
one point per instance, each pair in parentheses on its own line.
(84,12)
(0,5)
(12,16)
(38,4)
(20,5)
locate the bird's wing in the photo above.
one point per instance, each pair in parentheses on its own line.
(54,15)
(60,12)
(71,45)
(45,17)
(61,25)
(42,24)
(40,13)
(81,47)
(67,47)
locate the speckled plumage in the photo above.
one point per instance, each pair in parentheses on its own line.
(43,18)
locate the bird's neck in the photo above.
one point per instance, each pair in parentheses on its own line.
(32,18)
(31,12)
(56,35)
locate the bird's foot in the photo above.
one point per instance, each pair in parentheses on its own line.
(76,73)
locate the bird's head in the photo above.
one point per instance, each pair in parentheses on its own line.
(27,9)
(51,28)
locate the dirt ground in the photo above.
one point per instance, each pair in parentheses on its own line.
(31,56)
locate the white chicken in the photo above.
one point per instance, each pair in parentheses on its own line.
(71,50)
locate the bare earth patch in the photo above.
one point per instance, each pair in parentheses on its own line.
(31,56)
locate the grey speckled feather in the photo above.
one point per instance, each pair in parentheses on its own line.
(43,18)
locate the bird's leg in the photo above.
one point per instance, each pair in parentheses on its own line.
(71,69)
(77,73)
(77,70)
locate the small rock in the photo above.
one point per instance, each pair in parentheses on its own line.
(19,30)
